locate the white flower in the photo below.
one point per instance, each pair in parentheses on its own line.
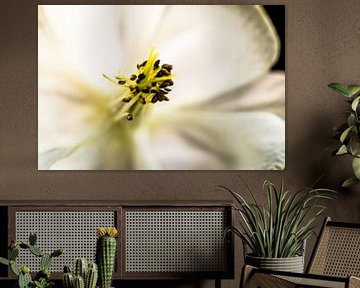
(226,111)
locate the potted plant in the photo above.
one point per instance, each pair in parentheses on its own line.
(42,278)
(348,132)
(276,233)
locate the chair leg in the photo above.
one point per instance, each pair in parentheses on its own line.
(246,273)
(217,283)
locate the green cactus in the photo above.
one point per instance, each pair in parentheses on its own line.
(13,253)
(79,282)
(68,280)
(106,254)
(42,278)
(24,280)
(91,276)
(45,261)
(80,267)
(36,251)
(32,238)
(87,272)
(14,268)
(57,252)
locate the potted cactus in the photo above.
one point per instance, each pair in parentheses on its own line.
(106,254)
(84,275)
(42,278)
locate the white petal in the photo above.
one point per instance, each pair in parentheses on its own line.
(215,49)
(267,95)
(216,141)
(97,39)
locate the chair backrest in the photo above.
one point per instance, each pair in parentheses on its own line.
(337,251)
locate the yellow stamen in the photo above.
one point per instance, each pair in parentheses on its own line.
(150,85)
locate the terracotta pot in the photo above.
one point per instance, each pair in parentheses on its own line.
(291,264)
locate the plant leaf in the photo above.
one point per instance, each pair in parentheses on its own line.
(340,88)
(353,89)
(355,103)
(4,261)
(356,167)
(345,134)
(349,182)
(342,150)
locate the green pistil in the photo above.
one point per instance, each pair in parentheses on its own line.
(150,85)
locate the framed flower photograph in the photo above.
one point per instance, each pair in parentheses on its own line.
(153,87)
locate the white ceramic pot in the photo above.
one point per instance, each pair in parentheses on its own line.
(291,264)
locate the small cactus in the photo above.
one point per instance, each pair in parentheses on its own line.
(106,254)
(88,273)
(68,280)
(80,268)
(79,282)
(91,276)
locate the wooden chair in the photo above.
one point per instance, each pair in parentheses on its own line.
(334,263)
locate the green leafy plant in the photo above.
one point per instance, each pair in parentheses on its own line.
(348,132)
(279,229)
(42,278)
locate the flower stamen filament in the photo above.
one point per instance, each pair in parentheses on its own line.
(150,85)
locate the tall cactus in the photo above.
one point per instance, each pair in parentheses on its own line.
(106,254)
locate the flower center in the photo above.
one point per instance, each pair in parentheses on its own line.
(149,86)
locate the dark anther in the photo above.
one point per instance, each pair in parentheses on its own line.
(167,89)
(153,84)
(132,77)
(154,91)
(141,76)
(127,99)
(167,67)
(156,64)
(130,116)
(143,64)
(166,98)
(159,74)
(142,100)
(121,82)
(154,99)
(137,89)
(166,83)
(165,72)
(146,90)
(161,95)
